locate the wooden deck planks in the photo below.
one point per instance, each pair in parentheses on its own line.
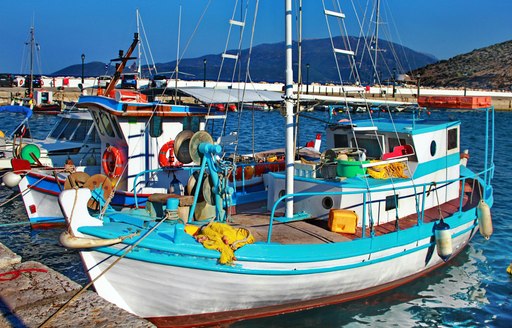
(256,219)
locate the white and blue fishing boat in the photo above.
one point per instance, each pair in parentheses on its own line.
(394,200)
(16,143)
(137,141)
(72,138)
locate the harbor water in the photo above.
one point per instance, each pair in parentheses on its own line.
(473,290)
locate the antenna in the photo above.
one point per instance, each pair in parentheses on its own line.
(177,60)
(139,61)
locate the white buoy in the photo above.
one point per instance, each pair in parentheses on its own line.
(11,179)
(484,219)
(443,236)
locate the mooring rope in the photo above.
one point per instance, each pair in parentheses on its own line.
(21,192)
(81,291)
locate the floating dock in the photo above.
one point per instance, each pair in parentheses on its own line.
(31,292)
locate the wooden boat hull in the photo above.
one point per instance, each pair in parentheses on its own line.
(256,289)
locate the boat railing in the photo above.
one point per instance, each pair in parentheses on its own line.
(426,187)
(271,166)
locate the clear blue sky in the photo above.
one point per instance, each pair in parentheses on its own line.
(67,28)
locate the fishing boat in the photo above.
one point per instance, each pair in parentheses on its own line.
(73,138)
(390,200)
(39,101)
(18,143)
(136,135)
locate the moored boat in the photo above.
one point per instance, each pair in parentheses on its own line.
(393,202)
(137,136)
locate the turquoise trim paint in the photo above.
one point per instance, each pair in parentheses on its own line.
(162,242)
(435,165)
(210,264)
(46,219)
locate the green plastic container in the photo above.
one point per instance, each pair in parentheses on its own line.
(350,169)
(30,149)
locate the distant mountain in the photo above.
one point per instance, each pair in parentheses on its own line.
(268,62)
(485,68)
(90,69)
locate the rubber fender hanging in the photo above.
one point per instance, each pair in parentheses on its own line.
(484,219)
(443,236)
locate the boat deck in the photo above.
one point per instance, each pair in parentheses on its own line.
(256,219)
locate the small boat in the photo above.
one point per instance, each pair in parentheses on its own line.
(19,144)
(41,167)
(139,135)
(40,101)
(393,201)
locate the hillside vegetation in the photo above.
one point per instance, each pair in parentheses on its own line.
(485,68)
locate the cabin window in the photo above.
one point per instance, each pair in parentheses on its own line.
(81,131)
(69,129)
(98,123)
(370,144)
(453,139)
(95,137)
(105,122)
(391,202)
(155,126)
(433,148)
(116,126)
(393,142)
(59,128)
(191,123)
(340,140)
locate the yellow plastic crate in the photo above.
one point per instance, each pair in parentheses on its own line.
(344,221)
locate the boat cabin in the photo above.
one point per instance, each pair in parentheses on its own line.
(391,159)
(74,136)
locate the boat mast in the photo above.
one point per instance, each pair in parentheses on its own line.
(289,150)
(139,51)
(177,61)
(377,22)
(123,58)
(32,46)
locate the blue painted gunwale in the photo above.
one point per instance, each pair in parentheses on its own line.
(114,105)
(160,248)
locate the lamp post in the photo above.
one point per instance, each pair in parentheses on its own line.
(204,73)
(307,78)
(418,83)
(83,59)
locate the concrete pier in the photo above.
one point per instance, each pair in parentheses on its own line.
(30,292)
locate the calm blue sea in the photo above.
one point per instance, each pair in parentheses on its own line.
(473,290)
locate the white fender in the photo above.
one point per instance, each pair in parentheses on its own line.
(484,219)
(443,236)
(11,179)
(69,241)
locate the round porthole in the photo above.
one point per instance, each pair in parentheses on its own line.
(433,148)
(282,193)
(327,203)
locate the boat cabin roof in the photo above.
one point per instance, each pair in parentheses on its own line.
(407,126)
(223,96)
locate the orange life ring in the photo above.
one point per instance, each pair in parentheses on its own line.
(21,83)
(112,162)
(165,160)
